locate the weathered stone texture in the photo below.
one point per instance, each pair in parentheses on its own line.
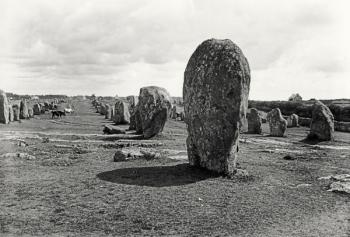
(121,112)
(23,110)
(277,123)
(4,108)
(215,92)
(322,123)
(254,121)
(154,106)
(293,121)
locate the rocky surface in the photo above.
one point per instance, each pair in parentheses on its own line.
(322,123)
(15,112)
(37,109)
(153,107)
(121,112)
(215,91)
(23,110)
(133,101)
(108,114)
(293,121)
(126,154)
(254,121)
(11,116)
(30,113)
(110,129)
(277,123)
(4,108)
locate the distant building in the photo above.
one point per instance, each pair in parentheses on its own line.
(34,97)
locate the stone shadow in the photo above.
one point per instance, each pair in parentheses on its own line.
(157,176)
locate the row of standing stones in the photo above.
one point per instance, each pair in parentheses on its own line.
(215,92)
(15,112)
(146,113)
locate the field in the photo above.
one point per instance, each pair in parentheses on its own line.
(65,183)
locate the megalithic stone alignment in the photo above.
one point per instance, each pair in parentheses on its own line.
(322,123)
(4,108)
(152,110)
(215,92)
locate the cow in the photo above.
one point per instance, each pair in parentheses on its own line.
(58,113)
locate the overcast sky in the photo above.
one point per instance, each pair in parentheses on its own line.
(116,47)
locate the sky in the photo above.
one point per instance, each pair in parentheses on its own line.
(116,47)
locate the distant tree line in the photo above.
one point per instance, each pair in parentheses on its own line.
(18,97)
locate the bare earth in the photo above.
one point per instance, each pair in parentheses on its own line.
(72,187)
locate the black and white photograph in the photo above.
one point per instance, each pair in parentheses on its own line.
(175,118)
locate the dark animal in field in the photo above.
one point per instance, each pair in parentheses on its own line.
(58,113)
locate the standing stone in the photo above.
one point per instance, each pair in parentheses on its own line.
(293,121)
(254,121)
(30,113)
(36,109)
(215,92)
(121,110)
(15,112)
(277,123)
(46,105)
(322,123)
(108,111)
(154,106)
(173,114)
(133,100)
(112,113)
(23,110)
(138,122)
(11,116)
(4,108)
(103,109)
(182,116)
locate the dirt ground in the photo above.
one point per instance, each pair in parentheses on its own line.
(68,185)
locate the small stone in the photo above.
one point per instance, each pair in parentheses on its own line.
(110,129)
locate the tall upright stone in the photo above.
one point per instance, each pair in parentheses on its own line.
(23,110)
(108,111)
(277,123)
(322,123)
(103,109)
(293,121)
(254,121)
(11,116)
(173,112)
(36,109)
(30,113)
(15,112)
(4,108)
(112,112)
(215,92)
(133,101)
(153,107)
(121,112)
